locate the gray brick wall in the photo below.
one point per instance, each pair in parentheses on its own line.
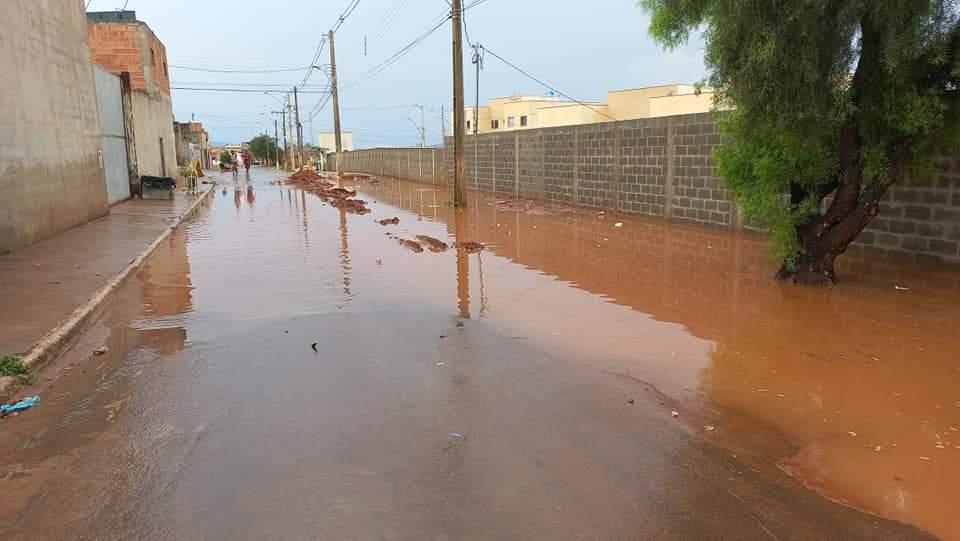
(662,167)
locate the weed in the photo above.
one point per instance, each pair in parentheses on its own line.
(11,365)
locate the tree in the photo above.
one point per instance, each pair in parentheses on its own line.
(225,157)
(830,102)
(264,148)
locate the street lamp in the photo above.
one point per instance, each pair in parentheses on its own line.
(420,130)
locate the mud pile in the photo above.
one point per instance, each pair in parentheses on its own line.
(339,198)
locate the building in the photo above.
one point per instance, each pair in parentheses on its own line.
(122,44)
(193,143)
(328,140)
(51,173)
(528,112)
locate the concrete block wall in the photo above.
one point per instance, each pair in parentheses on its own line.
(921,215)
(418,164)
(50,173)
(663,167)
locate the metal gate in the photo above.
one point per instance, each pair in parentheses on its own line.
(113,134)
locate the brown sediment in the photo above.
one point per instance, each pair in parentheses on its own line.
(336,197)
(435,245)
(411,245)
(389,221)
(470,246)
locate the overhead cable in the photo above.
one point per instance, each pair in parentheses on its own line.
(546,85)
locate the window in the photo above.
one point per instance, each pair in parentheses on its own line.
(523,120)
(510,122)
(494,124)
(468,125)
(153,57)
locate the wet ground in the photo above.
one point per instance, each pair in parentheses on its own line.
(525,391)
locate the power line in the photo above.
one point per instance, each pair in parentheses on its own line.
(243,90)
(323,41)
(546,85)
(215,70)
(386,28)
(248,85)
(400,53)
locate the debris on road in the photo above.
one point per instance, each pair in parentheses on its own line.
(630,401)
(101,350)
(313,346)
(618,224)
(338,198)
(411,245)
(901,288)
(470,246)
(441,363)
(15,407)
(389,221)
(675,413)
(456,435)
(709,428)
(435,245)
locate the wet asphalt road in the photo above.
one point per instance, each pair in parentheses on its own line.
(485,400)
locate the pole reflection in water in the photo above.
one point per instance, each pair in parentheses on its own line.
(345,256)
(463,264)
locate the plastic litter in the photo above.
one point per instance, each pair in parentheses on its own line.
(455,435)
(25,404)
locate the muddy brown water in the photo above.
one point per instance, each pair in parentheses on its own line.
(487,395)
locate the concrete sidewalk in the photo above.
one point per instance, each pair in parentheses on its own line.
(42,285)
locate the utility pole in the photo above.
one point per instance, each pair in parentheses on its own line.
(276,142)
(288,127)
(476,114)
(443,127)
(336,105)
(296,109)
(459,196)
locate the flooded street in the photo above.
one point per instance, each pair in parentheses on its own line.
(281,369)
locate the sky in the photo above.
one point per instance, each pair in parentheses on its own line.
(582,49)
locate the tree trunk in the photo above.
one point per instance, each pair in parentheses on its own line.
(811,269)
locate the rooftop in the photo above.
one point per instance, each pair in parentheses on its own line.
(112,16)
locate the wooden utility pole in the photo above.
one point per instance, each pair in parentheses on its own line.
(459,194)
(296,109)
(336,106)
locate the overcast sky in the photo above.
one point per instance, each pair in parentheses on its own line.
(582,48)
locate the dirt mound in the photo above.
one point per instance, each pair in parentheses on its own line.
(411,245)
(339,198)
(435,245)
(389,221)
(470,246)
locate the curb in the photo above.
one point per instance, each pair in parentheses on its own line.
(58,340)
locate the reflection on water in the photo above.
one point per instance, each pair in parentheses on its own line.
(863,379)
(210,366)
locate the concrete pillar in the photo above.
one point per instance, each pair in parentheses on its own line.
(617,151)
(516,167)
(576,166)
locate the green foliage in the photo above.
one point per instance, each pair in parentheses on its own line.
(263,147)
(226,158)
(12,365)
(795,73)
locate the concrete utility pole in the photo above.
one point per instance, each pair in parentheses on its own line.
(276,142)
(289,128)
(476,115)
(459,195)
(336,105)
(443,127)
(296,109)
